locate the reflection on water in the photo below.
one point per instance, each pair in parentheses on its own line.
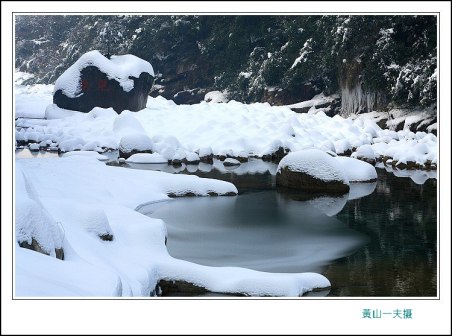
(261,231)
(27,154)
(401,256)
(249,176)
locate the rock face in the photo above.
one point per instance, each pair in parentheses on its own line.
(285,97)
(312,170)
(122,83)
(34,246)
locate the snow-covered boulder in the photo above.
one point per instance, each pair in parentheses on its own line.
(216,97)
(343,147)
(192,158)
(92,219)
(93,154)
(21,139)
(205,155)
(312,170)
(34,147)
(274,151)
(71,144)
(357,170)
(365,153)
(229,162)
(147,158)
(35,228)
(121,82)
(134,143)
(179,157)
(242,156)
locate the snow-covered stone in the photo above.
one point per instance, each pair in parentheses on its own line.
(365,153)
(134,143)
(93,154)
(205,155)
(35,228)
(312,170)
(357,170)
(216,97)
(179,157)
(231,162)
(34,147)
(192,158)
(343,147)
(122,82)
(147,158)
(71,144)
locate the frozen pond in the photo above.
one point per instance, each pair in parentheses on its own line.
(263,230)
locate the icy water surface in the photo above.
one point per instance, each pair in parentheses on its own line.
(379,240)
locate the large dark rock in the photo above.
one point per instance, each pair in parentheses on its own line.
(99,91)
(189,97)
(301,109)
(285,97)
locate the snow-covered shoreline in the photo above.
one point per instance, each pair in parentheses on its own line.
(73,190)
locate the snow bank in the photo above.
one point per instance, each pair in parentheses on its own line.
(119,68)
(255,129)
(54,112)
(88,197)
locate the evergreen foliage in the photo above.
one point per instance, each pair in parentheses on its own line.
(248,55)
